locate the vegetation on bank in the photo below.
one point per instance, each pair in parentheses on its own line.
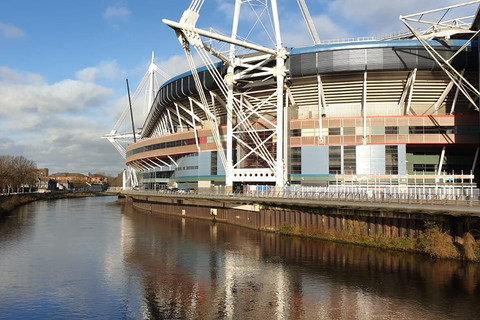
(10,202)
(433,241)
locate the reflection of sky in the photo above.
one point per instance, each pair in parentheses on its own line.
(91,258)
(69,264)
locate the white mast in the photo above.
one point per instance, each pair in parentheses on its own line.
(151,85)
(265,146)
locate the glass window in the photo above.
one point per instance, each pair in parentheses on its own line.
(391,159)
(391,130)
(349,160)
(296,133)
(213,163)
(349,131)
(296,160)
(333,131)
(334,160)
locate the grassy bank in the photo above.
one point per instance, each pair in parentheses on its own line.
(10,202)
(433,241)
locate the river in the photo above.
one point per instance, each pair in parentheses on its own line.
(93,258)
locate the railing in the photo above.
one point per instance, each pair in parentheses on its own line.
(464,195)
(386,37)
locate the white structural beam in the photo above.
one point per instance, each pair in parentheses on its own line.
(321,107)
(150,84)
(448,28)
(211,35)
(410,94)
(309,21)
(244,109)
(412,16)
(475,159)
(364,107)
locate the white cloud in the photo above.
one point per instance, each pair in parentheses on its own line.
(8,75)
(57,125)
(295,34)
(66,143)
(104,70)
(377,17)
(42,98)
(117,13)
(10,31)
(176,65)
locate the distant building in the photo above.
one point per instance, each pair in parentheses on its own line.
(42,172)
(46,184)
(73,180)
(98,179)
(98,187)
(62,176)
(64,185)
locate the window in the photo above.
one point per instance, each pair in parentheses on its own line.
(391,159)
(349,160)
(213,163)
(296,133)
(296,160)
(333,131)
(335,160)
(391,130)
(349,131)
(415,130)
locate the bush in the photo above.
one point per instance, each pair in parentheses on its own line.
(437,243)
(286,228)
(470,247)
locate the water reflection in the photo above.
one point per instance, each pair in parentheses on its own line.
(91,258)
(195,269)
(62,260)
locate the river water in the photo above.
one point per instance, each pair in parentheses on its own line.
(95,259)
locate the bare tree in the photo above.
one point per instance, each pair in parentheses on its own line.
(16,172)
(25,172)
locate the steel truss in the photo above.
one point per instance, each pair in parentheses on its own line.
(255,145)
(444,30)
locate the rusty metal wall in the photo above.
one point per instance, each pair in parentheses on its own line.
(323,221)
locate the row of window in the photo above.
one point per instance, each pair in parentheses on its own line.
(169,144)
(153,175)
(352,131)
(189,155)
(342,160)
(187,168)
(342,156)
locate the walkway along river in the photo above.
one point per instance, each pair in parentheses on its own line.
(93,258)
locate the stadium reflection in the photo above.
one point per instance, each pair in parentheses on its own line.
(196,269)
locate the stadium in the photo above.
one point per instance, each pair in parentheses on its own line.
(397,112)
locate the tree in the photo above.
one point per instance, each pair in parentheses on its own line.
(16,172)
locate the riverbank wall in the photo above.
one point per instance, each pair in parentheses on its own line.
(440,231)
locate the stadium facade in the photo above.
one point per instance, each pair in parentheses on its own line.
(387,112)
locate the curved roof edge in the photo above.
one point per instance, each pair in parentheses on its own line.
(379,44)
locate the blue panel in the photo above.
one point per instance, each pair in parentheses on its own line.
(204,163)
(315,160)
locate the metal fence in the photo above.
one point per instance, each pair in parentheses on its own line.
(448,194)
(457,195)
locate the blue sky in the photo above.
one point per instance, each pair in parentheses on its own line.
(63,64)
